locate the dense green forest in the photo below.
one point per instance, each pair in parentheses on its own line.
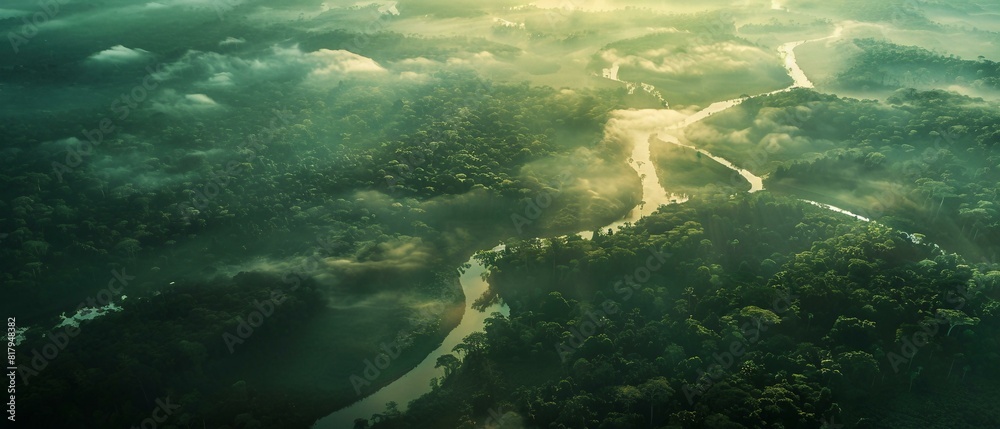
(447,155)
(886,65)
(685,171)
(154,354)
(922,161)
(431,141)
(745,312)
(247,214)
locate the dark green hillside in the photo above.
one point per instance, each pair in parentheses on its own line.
(764,312)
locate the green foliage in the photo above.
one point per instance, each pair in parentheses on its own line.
(923,161)
(882,64)
(146,351)
(802,346)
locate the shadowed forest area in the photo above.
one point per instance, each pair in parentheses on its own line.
(729,214)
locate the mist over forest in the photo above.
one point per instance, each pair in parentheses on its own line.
(738,214)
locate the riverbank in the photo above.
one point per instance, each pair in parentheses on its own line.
(641,129)
(416,381)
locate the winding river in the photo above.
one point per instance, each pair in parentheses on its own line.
(644,127)
(416,383)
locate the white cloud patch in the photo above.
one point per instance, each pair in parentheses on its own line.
(417,69)
(173,103)
(773,130)
(322,68)
(338,64)
(415,77)
(219,80)
(387,8)
(200,99)
(479,58)
(119,55)
(699,60)
(205,63)
(419,63)
(232,41)
(402,254)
